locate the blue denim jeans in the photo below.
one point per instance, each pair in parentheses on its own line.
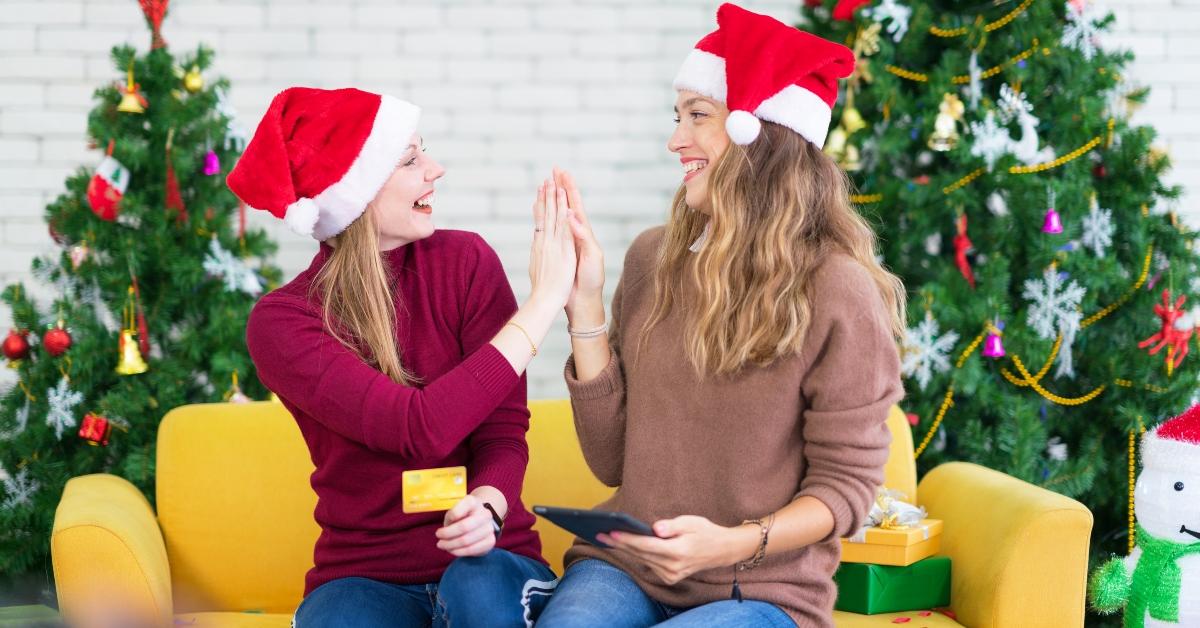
(500,589)
(594,593)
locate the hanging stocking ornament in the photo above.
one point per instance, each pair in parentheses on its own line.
(962,245)
(107,186)
(174,199)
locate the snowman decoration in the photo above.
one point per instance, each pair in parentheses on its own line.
(1158,584)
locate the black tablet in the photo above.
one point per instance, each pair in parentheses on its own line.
(586,524)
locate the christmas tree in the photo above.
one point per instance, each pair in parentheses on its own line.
(1048,273)
(152,290)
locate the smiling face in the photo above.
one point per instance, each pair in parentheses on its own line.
(1167,503)
(699,140)
(403,207)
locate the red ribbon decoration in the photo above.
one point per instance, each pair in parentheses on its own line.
(174,198)
(142,329)
(155,11)
(962,244)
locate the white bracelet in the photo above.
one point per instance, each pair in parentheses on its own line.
(588,333)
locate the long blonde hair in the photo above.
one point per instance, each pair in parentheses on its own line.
(355,288)
(779,207)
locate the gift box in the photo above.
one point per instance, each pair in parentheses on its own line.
(869,589)
(894,546)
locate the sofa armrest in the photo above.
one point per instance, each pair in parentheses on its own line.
(110,562)
(1019,553)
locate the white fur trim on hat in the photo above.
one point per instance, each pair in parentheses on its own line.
(704,73)
(1167,453)
(301,216)
(343,202)
(794,107)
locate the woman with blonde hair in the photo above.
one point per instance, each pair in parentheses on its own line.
(400,348)
(738,397)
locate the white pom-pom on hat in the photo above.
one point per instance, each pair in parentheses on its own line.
(742,127)
(301,216)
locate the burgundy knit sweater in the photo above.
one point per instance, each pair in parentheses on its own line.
(363,430)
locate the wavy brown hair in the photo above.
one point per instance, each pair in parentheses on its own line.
(779,207)
(355,289)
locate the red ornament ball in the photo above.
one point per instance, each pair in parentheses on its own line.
(16,345)
(56,341)
(1100,171)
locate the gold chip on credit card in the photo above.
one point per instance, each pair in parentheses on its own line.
(431,490)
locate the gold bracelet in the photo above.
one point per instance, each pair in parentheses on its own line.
(532,345)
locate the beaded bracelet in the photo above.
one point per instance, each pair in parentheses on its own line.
(759,555)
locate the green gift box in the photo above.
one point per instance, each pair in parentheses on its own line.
(869,589)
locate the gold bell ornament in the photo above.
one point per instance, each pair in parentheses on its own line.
(945,127)
(132,100)
(131,359)
(131,362)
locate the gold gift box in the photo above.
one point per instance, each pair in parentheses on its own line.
(900,547)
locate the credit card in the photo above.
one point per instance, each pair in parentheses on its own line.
(433,490)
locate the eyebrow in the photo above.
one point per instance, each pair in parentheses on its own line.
(691,101)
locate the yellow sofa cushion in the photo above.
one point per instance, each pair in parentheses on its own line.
(854,620)
(235,507)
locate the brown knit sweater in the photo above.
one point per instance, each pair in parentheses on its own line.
(738,448)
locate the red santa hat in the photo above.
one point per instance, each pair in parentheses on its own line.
(764,69)
(1175,443)
(319,156)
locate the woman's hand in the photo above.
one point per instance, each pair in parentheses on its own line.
(552,259)
(686,545)
(467,529)
(589,275)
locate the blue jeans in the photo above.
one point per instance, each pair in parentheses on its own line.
(595,593)
(499,589)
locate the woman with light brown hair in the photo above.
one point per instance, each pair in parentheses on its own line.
(400,348)
(738,396)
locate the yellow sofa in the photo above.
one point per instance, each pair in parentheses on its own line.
(234,532)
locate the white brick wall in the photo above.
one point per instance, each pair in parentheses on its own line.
(509,87)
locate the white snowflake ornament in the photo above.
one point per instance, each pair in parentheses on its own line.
(991,139)
(62,407)
(18,490)
(897,13)
(1097,229)
(21,420)
(1056,450)
(1013,104)
(1054,310)
(926,352)
(235,273)
(1081,32)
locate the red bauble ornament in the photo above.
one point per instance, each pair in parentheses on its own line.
(56,341)
(16,345)
(95,429)
(1099,171)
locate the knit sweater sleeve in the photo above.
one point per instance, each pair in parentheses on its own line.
(307,367)
(499,451)
(599,403)
(852,380)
